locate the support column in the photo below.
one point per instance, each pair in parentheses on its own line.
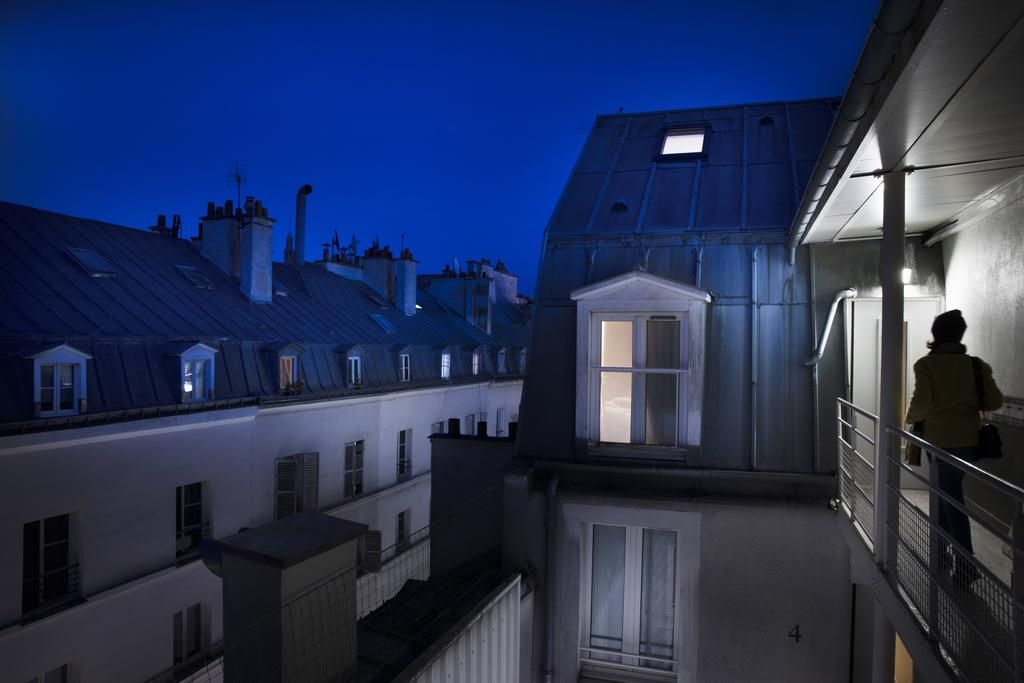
(886,466)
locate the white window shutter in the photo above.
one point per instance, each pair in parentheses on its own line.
(371,551)
(310,482)
(285,480)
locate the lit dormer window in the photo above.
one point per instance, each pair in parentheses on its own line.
(355,370)
(476,362)
(197,373)
(288,369)
(446,365)
(640,342)
(60,381)
(404,368)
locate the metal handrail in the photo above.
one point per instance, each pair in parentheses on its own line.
(856,408)
(1012,490)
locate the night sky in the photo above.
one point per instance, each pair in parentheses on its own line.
(456,124)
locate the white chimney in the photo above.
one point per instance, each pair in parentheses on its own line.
(405,283)
(256,253)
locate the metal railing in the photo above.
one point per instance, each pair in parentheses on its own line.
(858,453)
(594,659)
(50,592)
(965,601)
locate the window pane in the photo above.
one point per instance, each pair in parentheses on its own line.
(663,344)
(67,387)
(56,529)
(287,370)
(661,410)
(46,376)
(188,380)
(193,493)
(683,142)
(616,343)
(193,629)
(616,406)
(200,380)
(607,588)
(179,643)
(658,597)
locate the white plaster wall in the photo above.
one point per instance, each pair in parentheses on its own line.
(985,279)
(119,481)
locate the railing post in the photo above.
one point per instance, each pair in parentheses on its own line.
(1017,581)
(936,548)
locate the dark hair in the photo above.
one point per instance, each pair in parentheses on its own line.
(948,327)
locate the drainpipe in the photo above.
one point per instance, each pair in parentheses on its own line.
(300,223)
(816,355)
(753,358)
(551,523)
(700,266)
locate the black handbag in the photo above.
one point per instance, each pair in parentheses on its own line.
(990,444)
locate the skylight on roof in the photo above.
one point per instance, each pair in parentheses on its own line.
(91,262)
(689,141)
(195,277)
(384,323)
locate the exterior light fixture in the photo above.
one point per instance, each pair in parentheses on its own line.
(905,276)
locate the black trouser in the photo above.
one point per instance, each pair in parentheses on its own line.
(951,482)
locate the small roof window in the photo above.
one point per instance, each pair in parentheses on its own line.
(683,141)
(384,323)
(195,277)
(92,262)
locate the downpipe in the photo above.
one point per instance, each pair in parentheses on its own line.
(551,531)
(842,294)
(754,347)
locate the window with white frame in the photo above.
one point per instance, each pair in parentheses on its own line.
(49,575)
(355,371)
(640,341)
(476,362)
(403,460)
(296,484)
(60,381)
(188,633)
(629,612)
(446,365)
(353,469)
(469,425)
(501,361)
(197,376)
(288,371)
(499,422)
(404,368)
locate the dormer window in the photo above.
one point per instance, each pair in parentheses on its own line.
(501,361)
(404,368)
(446,365)
(640,345)
(476,362)
(60,381)
(197,373)
(355,370)
(288,371)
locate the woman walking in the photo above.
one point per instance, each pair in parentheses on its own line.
(948,399)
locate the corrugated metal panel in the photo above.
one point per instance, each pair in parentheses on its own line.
(487,650)
(668,205)
(577,203)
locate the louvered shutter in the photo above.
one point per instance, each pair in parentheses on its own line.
(371,551)
(310,482)
(285,481)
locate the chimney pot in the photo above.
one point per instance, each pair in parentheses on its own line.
(210,209)
(161,221)
(229,208)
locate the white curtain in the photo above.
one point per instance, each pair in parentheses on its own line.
(658,596)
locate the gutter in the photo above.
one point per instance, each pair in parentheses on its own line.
(857,110)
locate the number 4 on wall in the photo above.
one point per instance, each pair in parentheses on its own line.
(794,633)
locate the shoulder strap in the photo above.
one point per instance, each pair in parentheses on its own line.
(979,383)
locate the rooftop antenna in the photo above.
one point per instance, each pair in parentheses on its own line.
(238,178)
(403,242)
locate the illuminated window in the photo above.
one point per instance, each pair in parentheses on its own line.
(683,141)
(404,368)
(353,469)
(446,365)
(197,374)
(355,371)
(288,367)
(476,362)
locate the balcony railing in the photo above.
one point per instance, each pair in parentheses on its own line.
(965,601)
(49,593)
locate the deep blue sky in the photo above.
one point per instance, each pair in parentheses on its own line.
(457,124)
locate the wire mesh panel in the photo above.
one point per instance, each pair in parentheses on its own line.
(857,430)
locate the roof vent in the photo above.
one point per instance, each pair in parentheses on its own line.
(91,262)
(620,206)
(767,121)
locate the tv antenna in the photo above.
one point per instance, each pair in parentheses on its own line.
(238,178)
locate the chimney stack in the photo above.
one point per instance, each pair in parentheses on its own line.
(300,223)
(377,270)
(241,245)
(405,283)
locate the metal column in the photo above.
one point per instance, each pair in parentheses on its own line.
(886,467)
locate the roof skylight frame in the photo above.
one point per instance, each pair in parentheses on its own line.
(195,278)
(384,323)
(683,148)
(92,262)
